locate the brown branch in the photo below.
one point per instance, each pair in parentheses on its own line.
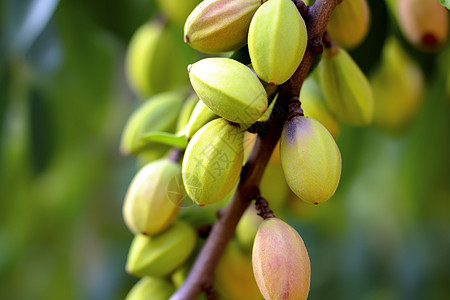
(201,274)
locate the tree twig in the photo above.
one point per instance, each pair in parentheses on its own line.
(201,274)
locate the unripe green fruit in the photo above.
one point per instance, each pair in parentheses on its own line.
(151,202)
(217,26)
(347,90)
(186,112)
(213,162)
(199,117)
(280,262)
(424,23)
(151,66)
(161,254)
(314,105)
(277,40)
(310,159)
(398,88)
(233,276)
(177,10)
(247,227)
(229,88)
(151,288)
(349,23)
(158,113)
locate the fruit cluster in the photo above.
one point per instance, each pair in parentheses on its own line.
(192,143)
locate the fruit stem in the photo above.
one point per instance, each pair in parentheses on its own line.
(262,206)
(201,274)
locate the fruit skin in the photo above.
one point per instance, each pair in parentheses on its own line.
(424,23)
(277,40)
(150,64)
(349,23)
(314,105)
(213,161)
(151,202)
(216,26)
(229,88)
(347,90)
(186,112)
(280,262)
(233,276)
(151,288)
(398,88)
(177,10)
(310,158)
(199,117)
(247,228)
(161,254)
(158,113)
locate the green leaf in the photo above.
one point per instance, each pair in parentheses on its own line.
(165,138)
(445,3)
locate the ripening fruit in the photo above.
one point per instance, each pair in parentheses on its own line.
(424,23)
(347,90)
(151,66)
(199,117)
(159,255)
(280,262)
(248,226)
(229,88)
(233,276)
(216,26)
(398,89)
(349,23)
(186,112)
(213,161)
(177,11)
(310,159)
(153,197)
(277,40)
(151,288)
(315,106)
(158,113)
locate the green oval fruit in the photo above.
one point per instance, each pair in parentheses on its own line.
(186,112)
(151,288)
(398,87)
(220,25)
(247,227)
(177,11)
(151,65)
(277,40)
(200,117)
(153,197)
(280,262)
(314,105)
(424,23)
(158,113)
(161,254)
(349,23)
(347,90)
(213,162)
(233,276)
(229,88)
(310,159)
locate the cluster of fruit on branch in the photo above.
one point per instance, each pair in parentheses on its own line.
(192,143)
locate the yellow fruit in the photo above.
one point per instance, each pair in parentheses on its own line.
(233,276)
(347,90)
(314,105)
(212,162)
(220,25)
(158,113)
(186,112)
(247,227)
(151,288)
(398,89)
(424,23)
(161,254)
(310,159)
(349,23)
(229,88)
(153,197)
(277,40)
(199,117)
(280,262)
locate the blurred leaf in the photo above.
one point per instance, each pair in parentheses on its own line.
(166,138)
(445,3)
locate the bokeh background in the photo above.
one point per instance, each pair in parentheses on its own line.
(64,100)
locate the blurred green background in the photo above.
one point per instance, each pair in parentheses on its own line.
(63,103)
